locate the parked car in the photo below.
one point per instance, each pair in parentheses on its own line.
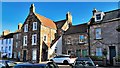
(41,65)
(84,62)
(66,59)
(7,63)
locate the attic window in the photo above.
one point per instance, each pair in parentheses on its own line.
(99,16)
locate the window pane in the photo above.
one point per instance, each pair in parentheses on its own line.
(98,16)
(98,33)
(98,51)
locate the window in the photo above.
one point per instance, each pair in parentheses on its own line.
(69,52)
(16,36)
(84,52)
(6,49)
(34,54)
(98,16)
(26,28)
(16,44)
(98,33)
(34,39)
(6,41)
(34,25)
(81,38)
(25,40)
(2,41)
(45,38)
(15,55)
(9,41)
(9,55)
(2,49)
(68,40)
(9,48)
(19,55)
(98,51)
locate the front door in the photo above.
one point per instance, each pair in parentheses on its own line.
(112,53)
(24,55)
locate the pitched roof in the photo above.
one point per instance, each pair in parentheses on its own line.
(55,40)
(112,15)
(45,21)
(81,28)
(8,36)
(60,23)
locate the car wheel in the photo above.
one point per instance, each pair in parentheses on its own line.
(65,62)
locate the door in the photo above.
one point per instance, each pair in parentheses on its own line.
(24,55)
(78,53)
(112,53)
(84,52)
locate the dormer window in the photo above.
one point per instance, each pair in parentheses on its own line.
(99,16)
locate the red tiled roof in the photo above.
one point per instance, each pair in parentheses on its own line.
(45,21)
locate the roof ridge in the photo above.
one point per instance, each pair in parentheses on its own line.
(112,10)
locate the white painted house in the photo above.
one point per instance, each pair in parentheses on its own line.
(6,46)
(56,47)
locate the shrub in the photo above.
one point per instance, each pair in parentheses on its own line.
(96,58)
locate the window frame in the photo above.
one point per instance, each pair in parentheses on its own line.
(82,40)
(34,36)
(34,24)
(34,55)
(26,28)
(98,33)
(24,44)
(45,38)
(99,52)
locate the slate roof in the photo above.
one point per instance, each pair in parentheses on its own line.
(109,15)
(8,36)
(45,21)
(60,23)
(81,28)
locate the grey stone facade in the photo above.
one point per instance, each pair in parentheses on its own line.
(109,35)
(71,41)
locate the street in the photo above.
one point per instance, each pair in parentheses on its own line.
(67,66)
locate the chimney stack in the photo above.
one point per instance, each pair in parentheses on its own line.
(69,18)
(6,32)
(32,8)
(94,11)
(19,26)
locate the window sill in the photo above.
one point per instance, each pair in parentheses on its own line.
(98,39)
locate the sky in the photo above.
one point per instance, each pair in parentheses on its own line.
(14,13)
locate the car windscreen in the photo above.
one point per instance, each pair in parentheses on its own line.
(84,63)
(31,66)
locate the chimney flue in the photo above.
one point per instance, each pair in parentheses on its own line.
(32,8)
(19,26)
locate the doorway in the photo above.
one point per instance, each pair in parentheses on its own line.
(112,52)
(24,55)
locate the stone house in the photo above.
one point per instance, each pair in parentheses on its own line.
(17,45)
(103,34)
(37,35)
(75,40)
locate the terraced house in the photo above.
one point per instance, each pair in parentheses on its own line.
(37,34)
(75,41)
(103,33)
